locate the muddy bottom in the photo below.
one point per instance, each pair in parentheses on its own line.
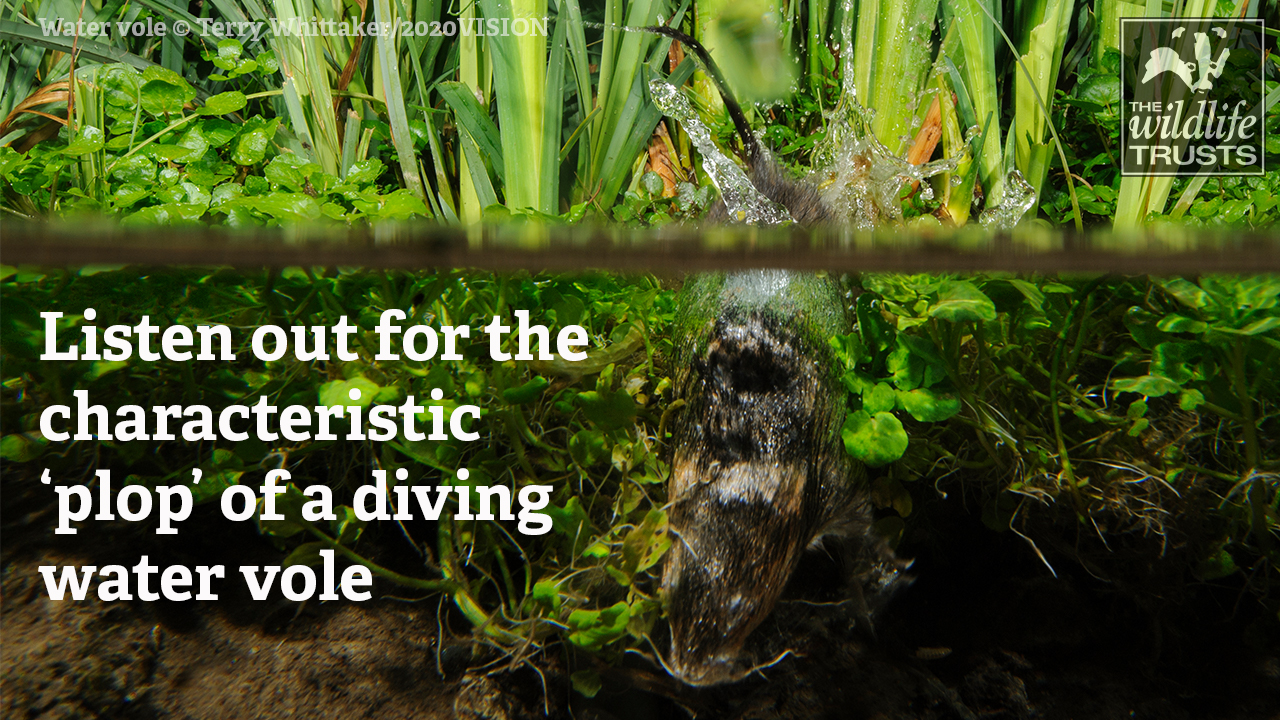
(985,631)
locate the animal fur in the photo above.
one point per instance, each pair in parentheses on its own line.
(759,472)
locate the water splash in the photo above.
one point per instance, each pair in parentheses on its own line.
(742,200)
(1018,198)
(860,178)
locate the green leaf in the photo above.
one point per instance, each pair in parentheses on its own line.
(1142,326)
(291,207)
(593,629)
(338,392)
(1174,323)
(364,172)
(251,145)
(849,349)
(217,132)
(880,399)
(1137,409)
(610,409)
(1186,293)
(212,484)
(588,449)
(195,144)
(1029,291)
(401,205)
(1149,385)
(915,363)
(959,300)
(527,392)
(547,594)
(1257,328)
(1217,565)
(474,118)
(306,554)
(22,447)
(876,332)
(858,382)
(347,527)
(1190,399)
(1260,291)
(164,96)
(105,367)
(88,140)
(652,183)
(926,405)
(1175,360)
(224,103)
(876,440)
(586,682)
(290,172)
(137,169)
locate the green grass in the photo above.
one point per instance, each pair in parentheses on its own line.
(552,126)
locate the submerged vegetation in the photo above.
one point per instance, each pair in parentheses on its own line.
(1126,425)
(241,122)
(1133,414)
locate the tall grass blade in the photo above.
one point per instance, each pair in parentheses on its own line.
(474,119)
(519,84)
(552,116)
(393,94)
(977,42)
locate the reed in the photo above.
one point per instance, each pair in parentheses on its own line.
(541,123)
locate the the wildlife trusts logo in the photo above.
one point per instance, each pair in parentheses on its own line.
(1167,59)
(1191,99)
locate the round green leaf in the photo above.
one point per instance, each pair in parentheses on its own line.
(876,440)
(161,97)
(250,147)
(586,682)
(338,392)
(880,399)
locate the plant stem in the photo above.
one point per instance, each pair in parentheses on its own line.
(1247,420)
(448,586)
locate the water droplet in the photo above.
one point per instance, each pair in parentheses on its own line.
(742,200)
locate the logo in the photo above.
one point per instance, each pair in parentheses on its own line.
(1192,101)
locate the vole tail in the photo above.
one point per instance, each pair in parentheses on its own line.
(749,142)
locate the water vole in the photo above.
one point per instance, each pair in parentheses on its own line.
(759,472)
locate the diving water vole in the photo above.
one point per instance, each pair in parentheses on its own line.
(759,472)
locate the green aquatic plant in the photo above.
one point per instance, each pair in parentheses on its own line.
(550,125)
(139,153)
(1094,398)
(591,430)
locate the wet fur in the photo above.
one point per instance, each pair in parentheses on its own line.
(759,471)
(801,199)
(758,475)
